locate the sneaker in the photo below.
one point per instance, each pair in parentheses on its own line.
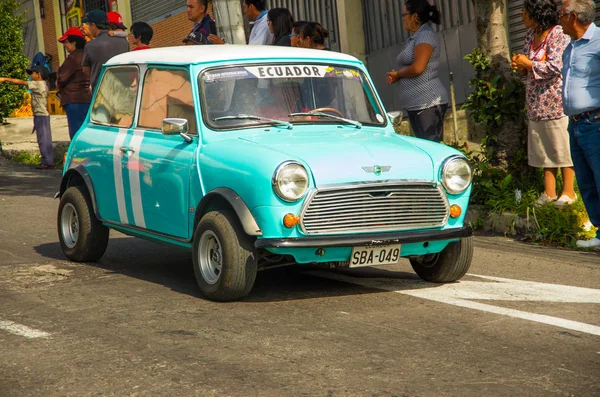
(44,167)
(564,200)
(544,199)
(593,243)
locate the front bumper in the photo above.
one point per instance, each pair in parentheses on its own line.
(364,239)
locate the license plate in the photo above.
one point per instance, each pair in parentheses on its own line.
(375,256)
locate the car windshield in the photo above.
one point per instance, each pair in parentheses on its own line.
(243,97)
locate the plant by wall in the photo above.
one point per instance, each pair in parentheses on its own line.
(12,62)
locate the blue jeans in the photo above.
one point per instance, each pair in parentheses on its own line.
(585,151)
(76,113)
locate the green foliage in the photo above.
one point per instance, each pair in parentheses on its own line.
(27,158)
(12,62)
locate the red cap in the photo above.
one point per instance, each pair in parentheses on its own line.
(74,31)
(116,19)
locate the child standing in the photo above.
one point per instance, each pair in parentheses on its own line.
(41,117)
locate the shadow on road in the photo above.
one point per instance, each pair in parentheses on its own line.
(172,268)
(24,180)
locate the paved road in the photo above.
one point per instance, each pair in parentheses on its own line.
(525,321)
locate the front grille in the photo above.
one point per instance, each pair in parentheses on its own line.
(374,208)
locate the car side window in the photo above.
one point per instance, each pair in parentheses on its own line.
(114,104)
(167,93)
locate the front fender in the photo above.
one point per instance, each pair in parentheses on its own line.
(235,201)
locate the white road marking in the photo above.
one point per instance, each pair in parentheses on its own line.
(21,330)
(464,292)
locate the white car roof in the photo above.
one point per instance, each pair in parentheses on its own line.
(196,54)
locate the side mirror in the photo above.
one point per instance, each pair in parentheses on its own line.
(395,117)
(172,126)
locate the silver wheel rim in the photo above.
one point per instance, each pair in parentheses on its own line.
(210,257)
(69,225)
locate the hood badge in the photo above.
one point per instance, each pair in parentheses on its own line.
(377,169)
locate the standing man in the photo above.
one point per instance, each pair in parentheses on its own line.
(102,47)
(257,13)
(581,102)
(204,26)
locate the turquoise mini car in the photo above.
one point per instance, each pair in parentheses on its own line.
(256,157)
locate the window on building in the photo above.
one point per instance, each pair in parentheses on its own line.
(115,101)
(167,93)
(89,5)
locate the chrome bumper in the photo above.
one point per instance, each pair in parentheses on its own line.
(364,239)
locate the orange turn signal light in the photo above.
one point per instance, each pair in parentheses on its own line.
(290,220)
(455,211)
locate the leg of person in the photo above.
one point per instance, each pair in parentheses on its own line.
(568,195)
(76,114)
(44,138)
(428,123)
(550,181)
(585,152)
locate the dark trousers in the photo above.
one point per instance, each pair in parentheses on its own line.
(585,152)
(76,114)
(428,123)
(44,138)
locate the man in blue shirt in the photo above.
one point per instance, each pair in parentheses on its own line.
(204,26)
(256,11)
(581,102)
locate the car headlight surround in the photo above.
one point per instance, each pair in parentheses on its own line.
(290,181)
(457,174)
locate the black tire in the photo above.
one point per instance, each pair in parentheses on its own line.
(89,242)
(449,265)
(230,272)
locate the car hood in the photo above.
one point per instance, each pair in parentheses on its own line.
(346,156)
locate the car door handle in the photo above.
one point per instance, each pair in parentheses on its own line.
(127,150)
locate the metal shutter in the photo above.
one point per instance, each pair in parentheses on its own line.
(151,11)
(322,11)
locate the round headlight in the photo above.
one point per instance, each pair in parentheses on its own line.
(456,175)
(290,181)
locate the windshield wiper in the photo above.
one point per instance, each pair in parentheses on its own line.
(289,126)
(355,123)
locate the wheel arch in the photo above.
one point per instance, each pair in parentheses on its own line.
(222,198)
(78,176)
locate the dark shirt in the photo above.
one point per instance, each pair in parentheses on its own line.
(284,41)
(98,51)
(72,82)
(203,29)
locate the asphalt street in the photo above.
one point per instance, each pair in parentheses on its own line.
(525,321)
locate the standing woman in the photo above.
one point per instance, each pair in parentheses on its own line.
(313,35)
(72,83)
(548,138)
(424,96)
(280,22)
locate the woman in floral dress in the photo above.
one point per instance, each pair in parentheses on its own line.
(548,138)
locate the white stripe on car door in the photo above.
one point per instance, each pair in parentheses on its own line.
(118,174)
(134,167)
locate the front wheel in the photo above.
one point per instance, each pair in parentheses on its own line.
(224,257)
(82,237)
(447,266)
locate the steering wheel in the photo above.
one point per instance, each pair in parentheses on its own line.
(330,110)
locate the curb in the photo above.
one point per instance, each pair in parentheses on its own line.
(506,223)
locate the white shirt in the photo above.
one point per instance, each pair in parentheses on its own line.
(260,34)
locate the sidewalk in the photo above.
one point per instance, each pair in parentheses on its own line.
(16,136)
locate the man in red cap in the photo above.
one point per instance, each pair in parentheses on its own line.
(115,25)
(72,82)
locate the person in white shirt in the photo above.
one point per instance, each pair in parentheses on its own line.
(257,13)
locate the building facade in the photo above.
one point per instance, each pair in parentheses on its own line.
(371,30)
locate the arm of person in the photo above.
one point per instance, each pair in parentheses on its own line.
(552,64)
(13,81)
(421,59)
(214,39)
(65,72)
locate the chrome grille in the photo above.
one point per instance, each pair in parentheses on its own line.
(374,208)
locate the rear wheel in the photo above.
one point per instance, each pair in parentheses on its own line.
(224,257)
(82,237)
(449,265)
